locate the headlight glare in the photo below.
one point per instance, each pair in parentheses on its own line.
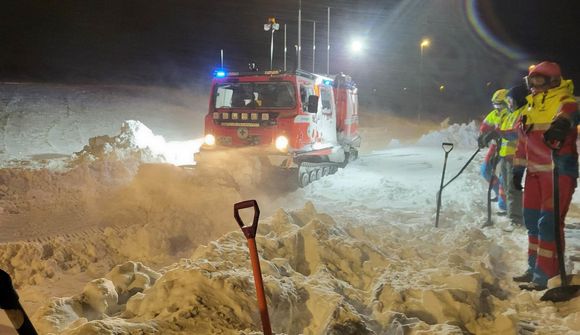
(209,139)
(282,143)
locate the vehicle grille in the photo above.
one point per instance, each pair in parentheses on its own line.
(245,119)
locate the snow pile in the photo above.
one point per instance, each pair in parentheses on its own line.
(137,142)
(99,297)
(41,122)
(461,135)
(321,277)
(161,214)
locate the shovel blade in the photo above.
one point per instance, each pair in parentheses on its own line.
(562,293)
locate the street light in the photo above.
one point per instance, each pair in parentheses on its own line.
(356,46)
(424,44)
(271,26)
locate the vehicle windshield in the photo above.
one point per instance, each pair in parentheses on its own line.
(255,95)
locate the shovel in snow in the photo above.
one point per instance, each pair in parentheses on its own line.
(564,292)
(250,233)
(10,303)
(447,147)
(493,162)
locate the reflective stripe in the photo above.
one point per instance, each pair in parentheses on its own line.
(520,161)
(508,148)
(533,247)
(541,126)
(545,253)
(540,167)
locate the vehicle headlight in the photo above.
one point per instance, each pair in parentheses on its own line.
(282,143)
(209,139)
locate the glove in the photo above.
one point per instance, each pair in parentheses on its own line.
(558,130)
(484,139)
(481,141)
(518,175)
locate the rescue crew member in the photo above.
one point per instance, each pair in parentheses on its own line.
(488,131)
(551,117)
(516,102)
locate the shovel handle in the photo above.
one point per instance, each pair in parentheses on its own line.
(447,147)
(249,231)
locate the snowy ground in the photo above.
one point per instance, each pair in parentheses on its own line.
(140,248)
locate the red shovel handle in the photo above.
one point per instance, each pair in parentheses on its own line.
(249,231)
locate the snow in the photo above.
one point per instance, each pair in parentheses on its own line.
(462,135)
(136,141)
(114,240)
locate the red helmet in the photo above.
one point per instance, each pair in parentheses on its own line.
(543,77)
(548,69)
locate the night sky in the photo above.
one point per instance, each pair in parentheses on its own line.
(177,43)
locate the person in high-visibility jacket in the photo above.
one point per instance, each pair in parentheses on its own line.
(516,102)
(489,135)
(551,118)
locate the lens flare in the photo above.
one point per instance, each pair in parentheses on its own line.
(484,32)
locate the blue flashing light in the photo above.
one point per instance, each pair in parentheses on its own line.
(327,82)
(220,74)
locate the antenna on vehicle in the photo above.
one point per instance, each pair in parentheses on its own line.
(313,46)
(271,26)
(222,58)
(299,48)
(328,43)
(285,48)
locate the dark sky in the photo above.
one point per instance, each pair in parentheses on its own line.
(177,42)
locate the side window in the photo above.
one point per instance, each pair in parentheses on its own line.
(305,92)
(325,98)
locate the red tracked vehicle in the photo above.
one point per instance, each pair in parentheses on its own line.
(299,122)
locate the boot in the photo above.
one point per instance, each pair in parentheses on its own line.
(531,286)
(509,228)
(525,278)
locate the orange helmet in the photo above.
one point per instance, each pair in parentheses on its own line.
(548,69)
(543,76)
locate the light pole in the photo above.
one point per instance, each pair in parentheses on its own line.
(271,26)
(424,44)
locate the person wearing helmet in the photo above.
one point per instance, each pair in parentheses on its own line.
(489,135)
(551,118)
(516,102)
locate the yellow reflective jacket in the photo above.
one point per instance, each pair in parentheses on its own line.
(509,132)
(531,151)
(493,120)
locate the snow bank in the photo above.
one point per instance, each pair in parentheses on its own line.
(160,214)
(321,277)
(111,203)
(462,135)
(46,121)
(137,142)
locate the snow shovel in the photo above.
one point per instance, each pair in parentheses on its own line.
(250,233)
(447,147)
(493,162)
(463,168)
(9,302)
(565,292)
